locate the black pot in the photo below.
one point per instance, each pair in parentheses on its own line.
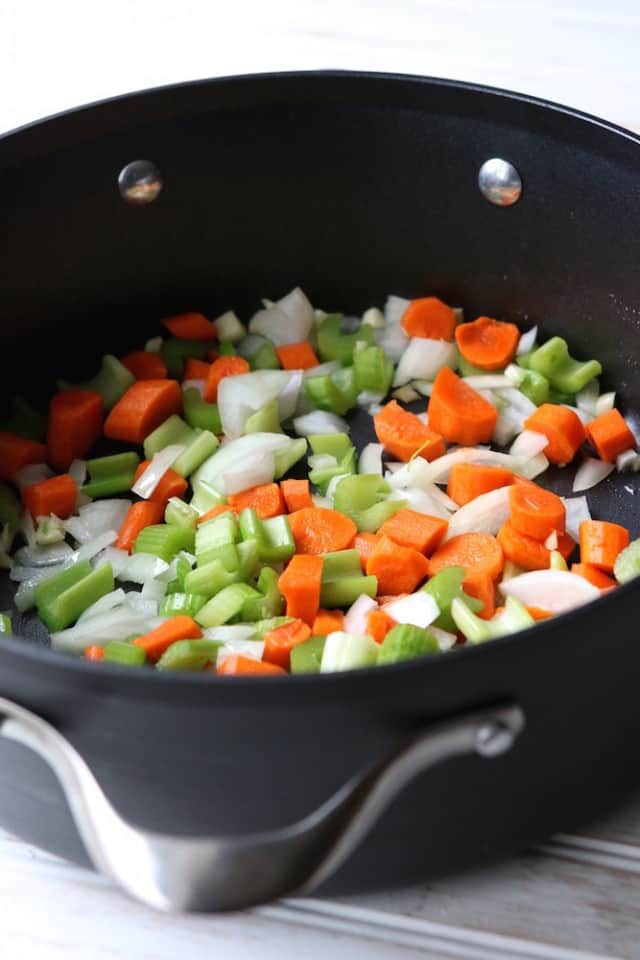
(352,186)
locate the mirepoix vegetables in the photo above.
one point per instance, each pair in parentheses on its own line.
(183,543)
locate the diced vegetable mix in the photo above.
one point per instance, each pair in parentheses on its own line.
(232,567)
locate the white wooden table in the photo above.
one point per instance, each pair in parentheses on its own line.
(579,897)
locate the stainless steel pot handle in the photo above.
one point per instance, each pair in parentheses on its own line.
(229,873)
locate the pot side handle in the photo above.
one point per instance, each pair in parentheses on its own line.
(211,874)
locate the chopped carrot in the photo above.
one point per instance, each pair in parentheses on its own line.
(300,586)
(470,480)
(429,317)
(214,512)
(594,575)
(75,425)
(378,624)
(563,429)
(266,499)
(326,622)
(145,365)
(191,326)
(171,484)
(609,435)
(139,515)
(459,413)
(160,639)
(528,553)
(56,495)
(237,665)
(398,569)
(403,434)
(145,405)
(538,613)
(417,530)
(297,356)
(195,369)
(487,343)
(296,494)
(219,369)
(279,643)
(535,511)
(319,530)
(17,452)
(365,544)
(478,552)
(601,542)
(481,586)
(94,652)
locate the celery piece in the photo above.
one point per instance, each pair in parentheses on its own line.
(200,448)
(172,430)
(265,357)
(363,498)
(205,497)
(111,475)
(189,655)
(524,360)
(341,563)
(226,349)
(180,514)
(164,541)
(47,590)
(25,421)
(321,475)
(344,591)
(182,604)
(262,627)
(111,381)
(558,396)
(6,626)
(273,536)
(10,512)
(265,420)
(306,657)
(348,651)
(183,567)
(174,351)
(214,576)
(514,617)
(335,444)
(269,604)
(445,587)
(333,344)
(215,533)
(50,530)
(372,370)
(59,608)
(466,369)
(129,655)
(285,458)
(199,414)
(406,642)
(336,392)
(627,563)
(248,558)
(535,387)
(371,519)
(564,373)
(225,605)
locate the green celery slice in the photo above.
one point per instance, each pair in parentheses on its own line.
(189,655)
(225,605)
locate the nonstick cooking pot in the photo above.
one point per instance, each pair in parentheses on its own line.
(352,186)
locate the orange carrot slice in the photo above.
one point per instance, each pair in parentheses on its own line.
(478,552)
(609,435)
(145,405)
(416,530)
(319,530)
(536,512)
(487,343)
(601,542)
(563,429)
(429,317)
(398,569)
(470,480)
(459,413)
(403,434)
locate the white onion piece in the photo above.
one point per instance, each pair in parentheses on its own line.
(141,567)
(24,598)
(198,385)
(37,574)
(443,499)
(142,605)
(300,312)
(154,345)
(78,471)
(552,590)
(254,649)
(605,403)
(288,321)
(587,397)
(32,473)
(333,483)
(288,396)
(405,394)
(116,624)
(367,398)
(392,337)
(43,556)
(95,518)
(160,463)
(271,323)
(420,501)
(590,473)
(628,460)
(231,633)
(419,609)
(241,396)
(485,514)
(117,558)
(319,501)
(424,359)
(27,528)
(250,345)
(422,473)
(577,510)
(109,601)
(373,317)
(255,470)
(527,341)
(446,640)
(320,421)
(355,619)
(528,444)
(91,548)
(370,460)
(153,591)
(424,387)
(322,369)
(582,415)
(551,543)
(229,327)
(234,453)
(489,381)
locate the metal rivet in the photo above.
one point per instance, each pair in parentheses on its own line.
(139,182)
(493,739)
(499,182)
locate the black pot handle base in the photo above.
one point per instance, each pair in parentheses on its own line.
(211,874)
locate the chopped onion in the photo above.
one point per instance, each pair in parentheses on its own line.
(423,359)
(405,394)
(233,453)
(78,471)
(322,369)
(255,470)
(367,398)
(160,463)
(154,345)
(552,590)
(590,473)
(95,518)
(446,640)
(320,421)
(489,381)
(139,604)
(254,649)
(319,501)
(577,510)
(392,337)
(32,473)
(421,501)
(154,590)
(116,624)
(92,548)
(484,514)
(424,387)
(582,415)
(551,543)
(117,558)
(587,397)
(229,327)
(230,633)
(355,620)
(241,396)
(370,460)
(24,598)
(141,567)
(290,320)
(528,444)
(628,460)
(420,473)
(43,556)
(250,345)
(36,574)
(605,403)
(374,409)
(419,609)
(333,483)
(527,341)
(27,529)
(198,385)
(373,317)
(109,601)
